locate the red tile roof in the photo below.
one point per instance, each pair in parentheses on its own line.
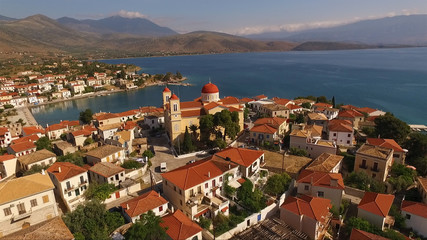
(366,110)
(32,130)
(105,116)
(349,107)
(6,157)
(313,207)
(376,203)
(210,88)
(198,172)
(387,143)
(179,226)
(259,97)
(357,234)
(321,179)
(246,100)
(281,101)
(350,114)
(264,128)
(212,105)
(419,209)
(3,131)
(68,170)
(241,180)
(130,125)
(293,107)
(233,109)
(325,105)
(55,127)
(242,156)
(191,113)
(230,100)
(338,125)
(81,132)
(20,147)
(174,97)
(31,138)
(192,104)
(166,90)
(144,203)
(272,121)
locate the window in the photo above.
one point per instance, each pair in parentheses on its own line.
(374,175)
(77,192)
(348,141)
(166,182)
(33,202)
(349,135)
(191,192)
(206,185)
(396,155)
(45,199)
(7,211)
(69,194)
(82,180)
(117,176)
(254,134)
(408,216)
(174,188)
(199,189)
(180,202)
(21,208)
(121,174)
(306,187)
(180,192)
(68,185)
(268,136)
(320,194)
(175,107)
(220,179)
(112,178)
(335,134)
(213,183)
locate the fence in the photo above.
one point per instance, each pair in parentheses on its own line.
(354,192)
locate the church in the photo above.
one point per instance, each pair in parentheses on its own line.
(179,115)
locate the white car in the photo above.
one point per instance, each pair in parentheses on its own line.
(163,167)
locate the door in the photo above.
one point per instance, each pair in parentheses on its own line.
(21,208)
(117,194)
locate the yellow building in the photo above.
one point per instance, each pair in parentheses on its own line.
(179,115)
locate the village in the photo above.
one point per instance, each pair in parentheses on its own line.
(211,168)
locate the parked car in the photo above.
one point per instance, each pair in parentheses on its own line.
(191,161)
(163,167)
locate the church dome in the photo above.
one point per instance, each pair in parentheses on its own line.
(210,88)
(166,89)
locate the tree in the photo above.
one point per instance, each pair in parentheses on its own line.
(322,99)
(306,105)
(86,116)
(35,169)
(401,177)
(277,184)
(362,181)
(246,113)
(204,222)
(220,143)
(193,129)
(252,200)
(88,141)
(178,75)
(148,153)
(99,191)
(300,118)
(416,145)
(206,127)
(148,227)
(43,143)
(131,164)
(187,145)
(333,101)
(361,224)
(91,221)
(388,126)
(399,220)
(74,158)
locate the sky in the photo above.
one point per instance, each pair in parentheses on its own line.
(239,17)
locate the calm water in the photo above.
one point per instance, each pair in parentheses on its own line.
(392,80)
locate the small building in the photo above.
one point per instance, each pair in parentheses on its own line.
(341,131)
(42,157)
(21,149)
(155,120)
(108,131)
(422,188)
(374,160)
(321,184)
(318,119)
(416,216)
(357,234)
(26,201)
(63,148)
(374,208)
(309,215)
(180,227)
(122,139)
(71,181)
(105,172)
(139,145)
(260,134)
(249,160)
(352,115)
(78,137)
(31,130)
(101,119)
(275,110)
(326,162)
(5,137)
(7,166)
(399,154)
(281,124)
(309,139)
(150,201)
(106,153)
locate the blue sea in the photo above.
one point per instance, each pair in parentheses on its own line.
(393,80)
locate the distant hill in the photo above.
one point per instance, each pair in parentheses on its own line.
(117,24)
(324,46)
(408,30)
(41,34)
(4,18)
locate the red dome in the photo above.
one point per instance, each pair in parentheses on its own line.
(174,97)
(166,89)
(210,88)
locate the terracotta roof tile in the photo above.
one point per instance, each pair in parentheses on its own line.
(230,101)
(313,207)
(264,128)
(104,151)
(32,130)
(419,209)
(6,157)
(273,121)
(192,104)
(24,186)
(317,116)
(376,203)
(366,110)
(53,229)
(105,116)
(31,138)
(325,162)
(191,113)
(20,147)
(198,172)
(81,133)
(326,105)
(350,114)
(387,143)
(357,234)
(144,203)
(259,97)
(246,100)
(179,226)
(338,125)
(375,151)
(321,179)
(282,101)
(106,169)
(242,156)
(68,170)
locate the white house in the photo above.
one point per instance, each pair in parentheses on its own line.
(71,181)
(7,166)
(26,201)
(42,157)
(106,153)
(249,160)
(416,216)
(374,208)
(21,149)
(108,131)
(105,172)
(341,132)
(134,208)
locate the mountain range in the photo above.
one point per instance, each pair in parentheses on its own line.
(124,37)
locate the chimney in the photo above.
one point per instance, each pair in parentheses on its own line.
(127,206)
(43,172)
(209,174)
(59,169)
(229,167)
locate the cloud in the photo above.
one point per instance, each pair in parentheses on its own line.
(129,14)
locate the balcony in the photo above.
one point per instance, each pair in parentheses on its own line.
(82,183)
(363,166)
(375,169)
(21,215)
